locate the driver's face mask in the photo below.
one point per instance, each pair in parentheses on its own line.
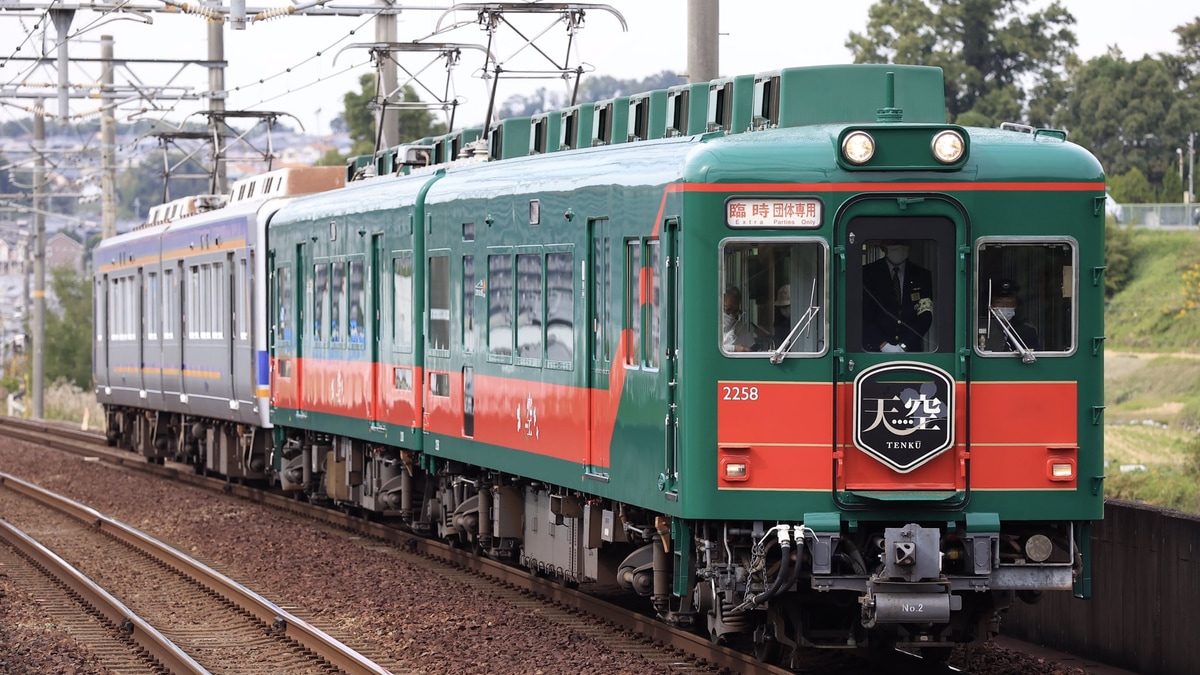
(897,253)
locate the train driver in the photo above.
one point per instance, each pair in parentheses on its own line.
(897,301)
(1007,303)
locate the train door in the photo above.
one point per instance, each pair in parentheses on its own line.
(670,288)
(897,356)
(375,270)
(100,355)
(597,278)
(175,324)
(241,354)
(297,298)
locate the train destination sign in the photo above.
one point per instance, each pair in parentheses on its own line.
(903,413)
(800,213)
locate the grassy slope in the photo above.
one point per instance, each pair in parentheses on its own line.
(1152,375)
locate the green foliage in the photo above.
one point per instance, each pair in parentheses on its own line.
(140,188)
(988,49)
(1153,405)
(1118,258)
(331,158)
(68,349)
(1145,313)
(1191,291)
(1131,187)
(1172,189)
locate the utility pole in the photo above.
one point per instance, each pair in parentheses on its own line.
(108,142)
(1192,167)
(388,118)
(62,26)
(39,259)
(216,100)
(703,54)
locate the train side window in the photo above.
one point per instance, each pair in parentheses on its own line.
(193,300)
(633,303)
(402,302)
(772,295)
(283,302)
(560,310)
(337,301)
(468,304)
(358,303)
(529,308)
(500,305)
(1025,293)
(153,307)
(218,287)
(439,303)
(170,305)
(114,317)
(320,294)
(242,289)
(601,296)
(654,305)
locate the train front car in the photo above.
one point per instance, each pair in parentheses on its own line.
(890,391)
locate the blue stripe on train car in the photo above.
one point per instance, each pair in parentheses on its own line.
(264,369)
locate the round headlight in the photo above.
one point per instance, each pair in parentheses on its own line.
(948,146)
(858,147)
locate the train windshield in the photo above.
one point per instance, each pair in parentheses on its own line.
(1025,297)
(773,297)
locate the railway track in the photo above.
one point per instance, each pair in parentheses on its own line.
(663,647)
(180,614)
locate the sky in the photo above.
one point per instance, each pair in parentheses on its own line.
(274,65)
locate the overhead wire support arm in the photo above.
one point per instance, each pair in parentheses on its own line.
(490,15)
(382,52)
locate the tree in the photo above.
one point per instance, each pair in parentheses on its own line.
(1131,187)
(993,52)
(140,188)
(68,351)
(1120,111)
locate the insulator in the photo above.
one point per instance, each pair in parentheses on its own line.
(203,10)
(275,13)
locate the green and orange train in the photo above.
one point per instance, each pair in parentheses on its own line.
(657,342)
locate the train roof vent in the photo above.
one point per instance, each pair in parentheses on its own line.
(1014,126)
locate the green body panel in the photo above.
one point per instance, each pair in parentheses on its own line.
(509,138)
(648,115)
(687,110)
(575,127)
(730,104)
(545,133)
(610,121)
(836,94)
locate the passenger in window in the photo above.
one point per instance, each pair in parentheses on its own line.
(783,313)
(1007,303)
(897,301)
(735,328)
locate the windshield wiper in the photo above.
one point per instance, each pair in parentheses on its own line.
(802,323)
(1013,339)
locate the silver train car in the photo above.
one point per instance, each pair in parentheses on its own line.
(180,359)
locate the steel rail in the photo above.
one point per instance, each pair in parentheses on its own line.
(307,635)
(156,645)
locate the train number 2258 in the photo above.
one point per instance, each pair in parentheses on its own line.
(739,393)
